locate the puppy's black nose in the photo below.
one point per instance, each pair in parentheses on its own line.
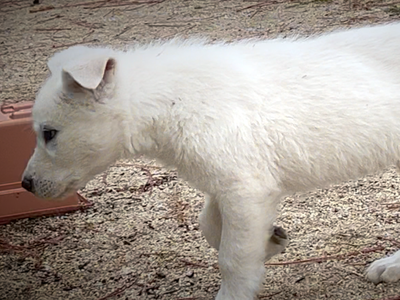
(27,183)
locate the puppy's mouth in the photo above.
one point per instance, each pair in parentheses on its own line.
(64,194)
(71,188)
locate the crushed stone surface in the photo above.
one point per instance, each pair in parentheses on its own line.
(141,238)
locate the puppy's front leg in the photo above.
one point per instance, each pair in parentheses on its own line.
(211,226)
(246,228)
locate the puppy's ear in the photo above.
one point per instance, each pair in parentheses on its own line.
(88,74)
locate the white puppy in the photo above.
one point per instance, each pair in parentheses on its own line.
(247,123)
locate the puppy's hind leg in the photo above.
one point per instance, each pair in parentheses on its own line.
(211,223)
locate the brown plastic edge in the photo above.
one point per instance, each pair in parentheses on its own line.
(83,204)
(16,111)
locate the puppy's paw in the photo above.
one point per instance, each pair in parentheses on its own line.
(385,269)
(277,242)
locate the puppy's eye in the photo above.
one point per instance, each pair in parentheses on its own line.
(49,134)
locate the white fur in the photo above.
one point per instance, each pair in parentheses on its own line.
(247,123)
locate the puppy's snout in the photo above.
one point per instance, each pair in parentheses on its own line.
(27,183)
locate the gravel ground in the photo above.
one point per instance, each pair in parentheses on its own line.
(141,238)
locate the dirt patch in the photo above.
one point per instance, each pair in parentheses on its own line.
(141,239)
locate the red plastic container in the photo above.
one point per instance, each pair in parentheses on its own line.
(17,142)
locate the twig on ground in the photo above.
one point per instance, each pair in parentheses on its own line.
(104,179)
(195,264)
(43,8)
(166,25)
(357,264)
(95,4)
(127,28)
(30,249)
(192,298)
(258,5)
(84,3)
(393,205)
(390,298)
(127,3)
(52,29)
(14,9)
(110,12)
(12,2)
(270,295)
(151,182)
(138,166)
(349,271)
(148,186)
(71,44)
(393,241)
(119,290)
(49,19)
(386,3)
(88,34)
(87,24)
(325,258)
(29,48)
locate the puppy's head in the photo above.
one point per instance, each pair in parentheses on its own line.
(78,134)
